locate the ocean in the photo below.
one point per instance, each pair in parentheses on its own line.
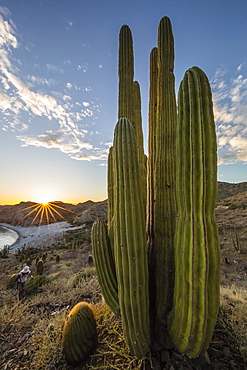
(7,237)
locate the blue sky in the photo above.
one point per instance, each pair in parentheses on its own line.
(59,86)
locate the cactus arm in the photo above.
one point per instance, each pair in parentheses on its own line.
(110,188)
(125,73)
(129,96)
(151,139)
(196,293)
(104,264)
(130,241)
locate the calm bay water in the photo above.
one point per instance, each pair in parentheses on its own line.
(7,237)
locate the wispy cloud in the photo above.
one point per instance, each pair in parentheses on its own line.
(18,97)
(230,110)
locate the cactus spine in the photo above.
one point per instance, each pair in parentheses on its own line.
(79,337)
(196,293)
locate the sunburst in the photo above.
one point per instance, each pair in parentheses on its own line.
(45,213)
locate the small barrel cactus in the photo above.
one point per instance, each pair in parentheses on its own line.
(40,267)
(79,338)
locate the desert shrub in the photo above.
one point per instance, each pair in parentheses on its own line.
(12,281)
(85,274)
(49,353)
(33,285)
(232,316)
(4,252)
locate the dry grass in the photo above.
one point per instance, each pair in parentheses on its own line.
(233,314)
(31,330)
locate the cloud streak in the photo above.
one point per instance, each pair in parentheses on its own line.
(18,97)
(230,111)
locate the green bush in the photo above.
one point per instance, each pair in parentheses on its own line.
(33,285)
(85,274)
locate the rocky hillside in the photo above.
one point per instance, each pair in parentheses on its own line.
(231,212)
(226,190)
(33,214)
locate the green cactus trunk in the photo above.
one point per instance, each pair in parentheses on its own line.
(152,141)
(104,264)
(125,73)
(130,241)
(197,253)
(162,140)
(110,189)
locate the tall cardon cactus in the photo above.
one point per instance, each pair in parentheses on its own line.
(162,232)
(130,240)
(162,128)
(197,262)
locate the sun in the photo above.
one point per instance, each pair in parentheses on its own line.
(43,198)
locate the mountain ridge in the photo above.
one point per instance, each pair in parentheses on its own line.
(231,195)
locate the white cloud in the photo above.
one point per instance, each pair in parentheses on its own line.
(4,102)
(230,111)
(66,97)
(69,85)
(84,68)
(54,68)
(35,80)
(5,11)
(7,34)
(57,140)
(18,97)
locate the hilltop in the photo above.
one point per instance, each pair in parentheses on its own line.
(31,214)
(24,214)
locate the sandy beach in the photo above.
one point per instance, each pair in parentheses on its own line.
(39,236)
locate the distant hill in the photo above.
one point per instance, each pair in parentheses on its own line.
(226,190)
(32,214)
(230,197)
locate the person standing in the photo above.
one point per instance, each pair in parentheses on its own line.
(22,279)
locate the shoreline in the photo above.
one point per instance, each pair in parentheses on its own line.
(38,236)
